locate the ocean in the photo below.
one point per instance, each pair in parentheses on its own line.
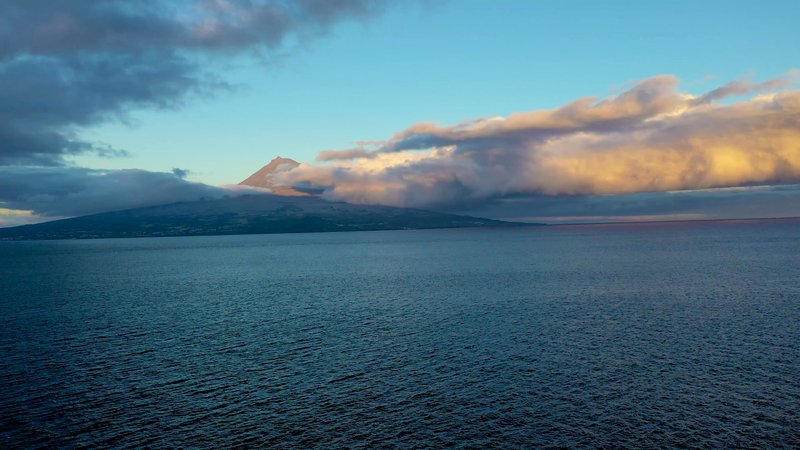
(629,335)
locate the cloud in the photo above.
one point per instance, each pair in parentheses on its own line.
(73,191)
(645,100)
(45,27)
(14,217)
(335,155)
(650,138)
(743,87)
(180,173)
(66,65)
(51,98)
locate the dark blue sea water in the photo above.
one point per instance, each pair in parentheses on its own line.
(658,335)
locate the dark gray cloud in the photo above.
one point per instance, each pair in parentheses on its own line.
(180,173)
(68,64)
(44,101)
(57,27)
(74,191)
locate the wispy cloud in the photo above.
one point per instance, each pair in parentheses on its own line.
(743,87)
(650,138)
(73,191)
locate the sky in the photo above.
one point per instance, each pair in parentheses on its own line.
(553,111)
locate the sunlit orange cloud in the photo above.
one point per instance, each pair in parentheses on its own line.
(650,138)
(12,217)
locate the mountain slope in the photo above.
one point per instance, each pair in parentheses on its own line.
(264,177)
(249,214)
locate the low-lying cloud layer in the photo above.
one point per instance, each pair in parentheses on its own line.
(75,191)
(650,138)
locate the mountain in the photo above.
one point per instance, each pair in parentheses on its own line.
(265,177)
(248,214)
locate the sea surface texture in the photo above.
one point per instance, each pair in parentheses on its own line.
(660,335)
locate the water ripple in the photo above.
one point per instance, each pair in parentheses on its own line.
(664,336)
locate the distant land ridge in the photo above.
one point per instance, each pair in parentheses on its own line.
(247,214)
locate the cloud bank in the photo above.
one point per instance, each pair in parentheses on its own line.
(650,138)
(75,191)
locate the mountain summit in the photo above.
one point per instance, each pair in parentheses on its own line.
(265,177)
